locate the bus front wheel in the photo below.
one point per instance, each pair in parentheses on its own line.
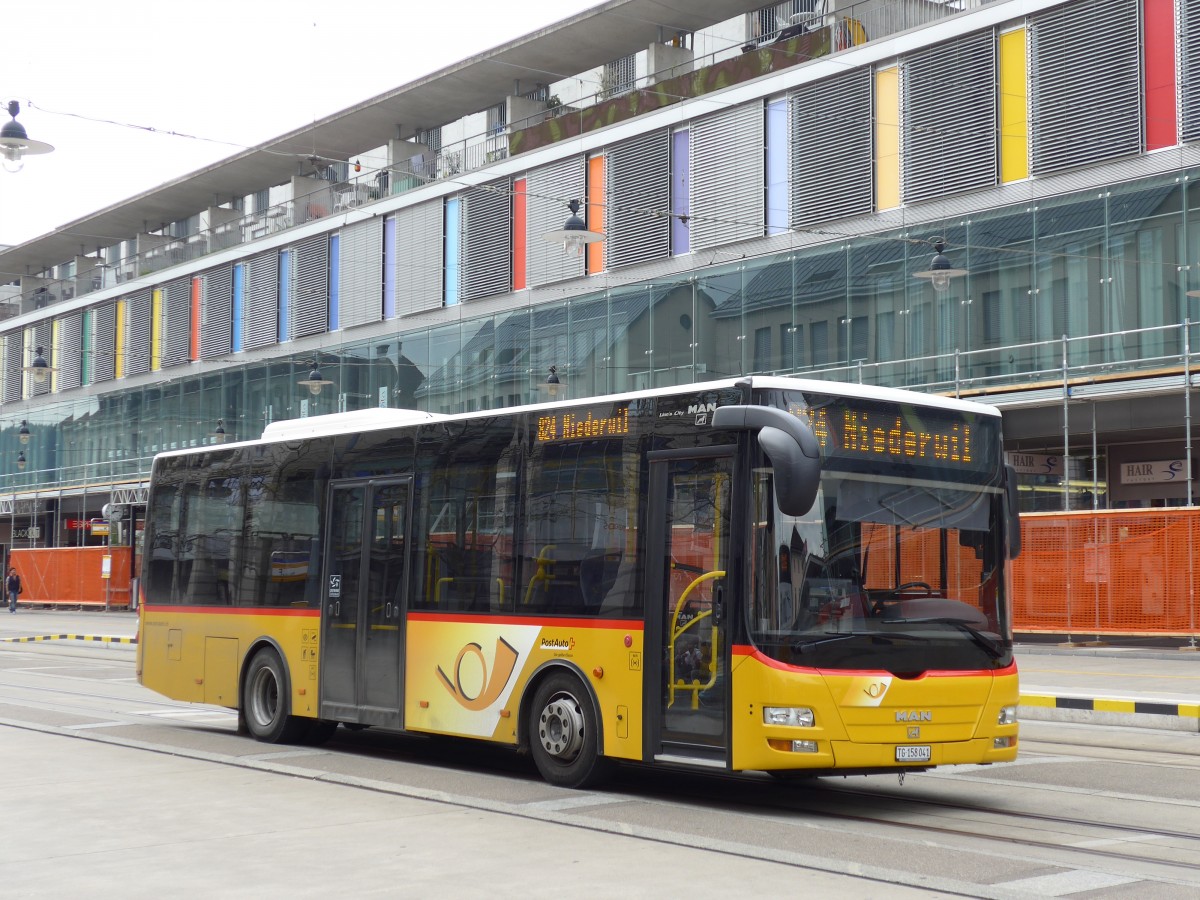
(265,705)
(564,734)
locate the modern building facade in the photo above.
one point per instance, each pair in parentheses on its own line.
(770,184)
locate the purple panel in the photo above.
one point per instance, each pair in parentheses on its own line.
(681,205)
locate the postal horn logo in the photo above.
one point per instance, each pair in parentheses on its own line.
(503,665)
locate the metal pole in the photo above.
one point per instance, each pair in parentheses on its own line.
(1187,432)
(1066,484)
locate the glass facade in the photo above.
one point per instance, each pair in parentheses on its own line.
(1107,269)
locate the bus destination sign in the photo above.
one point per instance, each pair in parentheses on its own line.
(932,437)
(583,424)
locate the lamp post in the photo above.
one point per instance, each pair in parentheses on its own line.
(940,270)
(574,235)
(16,143)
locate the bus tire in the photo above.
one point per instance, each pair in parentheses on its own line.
(265,701)
(564,733)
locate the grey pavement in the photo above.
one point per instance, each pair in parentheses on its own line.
(1154,683)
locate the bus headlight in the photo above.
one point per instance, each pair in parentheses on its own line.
(799,716)
(1008,716)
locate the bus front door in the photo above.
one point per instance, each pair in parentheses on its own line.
(362,613)
(685,606)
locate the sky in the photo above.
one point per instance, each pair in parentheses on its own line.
(229,73)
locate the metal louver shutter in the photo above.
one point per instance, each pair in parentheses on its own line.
(639,192)
(728,196)
(177,327)
(832,149)
(950,126)
(361,273)
(216,313)
(1085,84)
(104,343)
(418,253)
(137,334)
(70,355)
(487,241)
(1189,11)
(310,287)
(261,326)
(550,189)
(13,346)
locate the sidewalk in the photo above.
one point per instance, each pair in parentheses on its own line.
(1149,686)
(1114,685)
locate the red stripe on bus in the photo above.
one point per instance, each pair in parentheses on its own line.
(525,620)
(759,656)
(231,610)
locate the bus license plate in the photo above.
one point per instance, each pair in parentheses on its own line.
(916,753)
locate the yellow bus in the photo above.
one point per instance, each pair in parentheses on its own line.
(753,574)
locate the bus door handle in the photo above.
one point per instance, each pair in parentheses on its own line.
(718,606)
(387,610)
(335,608)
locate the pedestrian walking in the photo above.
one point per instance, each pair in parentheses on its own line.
(12,585)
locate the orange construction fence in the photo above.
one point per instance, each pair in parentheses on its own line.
(73,576)
(1120,572)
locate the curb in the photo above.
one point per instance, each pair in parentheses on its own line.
(1162,714)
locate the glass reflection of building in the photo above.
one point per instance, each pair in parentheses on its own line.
(1074,307)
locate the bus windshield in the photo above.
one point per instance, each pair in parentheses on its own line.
(892,568)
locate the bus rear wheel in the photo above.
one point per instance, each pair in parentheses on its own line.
(265,705)
(564,734)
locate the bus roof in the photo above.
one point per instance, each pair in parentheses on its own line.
(376,418)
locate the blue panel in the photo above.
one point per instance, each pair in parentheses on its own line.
(285,283)
(389,267)
(239,305)
(681,206)
(777,167)
(334,273)
(453,250)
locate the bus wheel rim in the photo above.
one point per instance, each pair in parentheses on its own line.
(560,727)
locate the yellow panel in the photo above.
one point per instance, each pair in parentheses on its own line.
(1014,107)
(887,138)
(119,362)
(156,330)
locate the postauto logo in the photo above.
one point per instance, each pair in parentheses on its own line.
(504,664)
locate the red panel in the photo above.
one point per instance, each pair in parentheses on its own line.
(518,242)
(1159,27)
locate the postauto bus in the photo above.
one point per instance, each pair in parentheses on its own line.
(756,574)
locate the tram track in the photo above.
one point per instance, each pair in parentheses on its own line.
(1020,829)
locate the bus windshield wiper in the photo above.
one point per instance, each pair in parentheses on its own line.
(975,634)
(832,637)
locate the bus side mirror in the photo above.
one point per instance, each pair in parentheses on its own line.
(791,446)
(1012,512)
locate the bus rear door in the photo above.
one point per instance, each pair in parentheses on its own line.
(362,612)
(688,547)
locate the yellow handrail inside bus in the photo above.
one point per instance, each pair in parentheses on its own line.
(545,561)
(678,630)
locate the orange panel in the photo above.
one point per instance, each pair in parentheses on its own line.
(71,576)
(595,213)
(194,348)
